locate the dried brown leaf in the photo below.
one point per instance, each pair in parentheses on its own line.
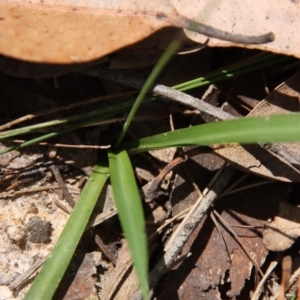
(252,158)
(69,31)
(281,233)
(249,17)
(210,267)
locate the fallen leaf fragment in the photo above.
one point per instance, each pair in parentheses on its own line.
(249,17)
(210,266)
(74,31)
(255,159)
(281,233)
(69,31)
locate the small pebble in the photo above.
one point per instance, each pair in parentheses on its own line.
(39,231)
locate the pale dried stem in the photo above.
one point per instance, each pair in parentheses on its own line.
(187,226)
(34,190)
(226,193)
(260,286)
(293,278)
(22,279)
(59,145)
(217,224)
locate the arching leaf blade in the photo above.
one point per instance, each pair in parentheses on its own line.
(130,211)
(279,128)
(47,281)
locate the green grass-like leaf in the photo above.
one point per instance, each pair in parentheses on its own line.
(251,64)
(81,120)
(127,198)
(164,59)
(47,281)
(280,128)
(106,113)
(130,211)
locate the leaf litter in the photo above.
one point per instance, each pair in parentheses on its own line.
(115,24)
(217,267)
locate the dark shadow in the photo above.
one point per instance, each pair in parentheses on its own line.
(183,185)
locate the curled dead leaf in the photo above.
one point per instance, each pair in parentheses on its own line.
(281,233)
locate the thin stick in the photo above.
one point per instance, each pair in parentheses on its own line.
(62,206)
(163,91)
(171,122)
(105,250)
(21,280)
(62,185)
(247,187)
(29,190)
(227,226)
(260,286)
(217,224)
(190,101)
(188,225)
(237,182)
(64,145)
(226,36)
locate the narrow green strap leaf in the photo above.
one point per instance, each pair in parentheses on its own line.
(282,128)
(47,281)
(106,113)
(244,67)
(163,60)
(130,210)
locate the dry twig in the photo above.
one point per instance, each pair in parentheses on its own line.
(187,226)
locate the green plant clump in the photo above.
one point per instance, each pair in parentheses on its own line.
(118,167)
